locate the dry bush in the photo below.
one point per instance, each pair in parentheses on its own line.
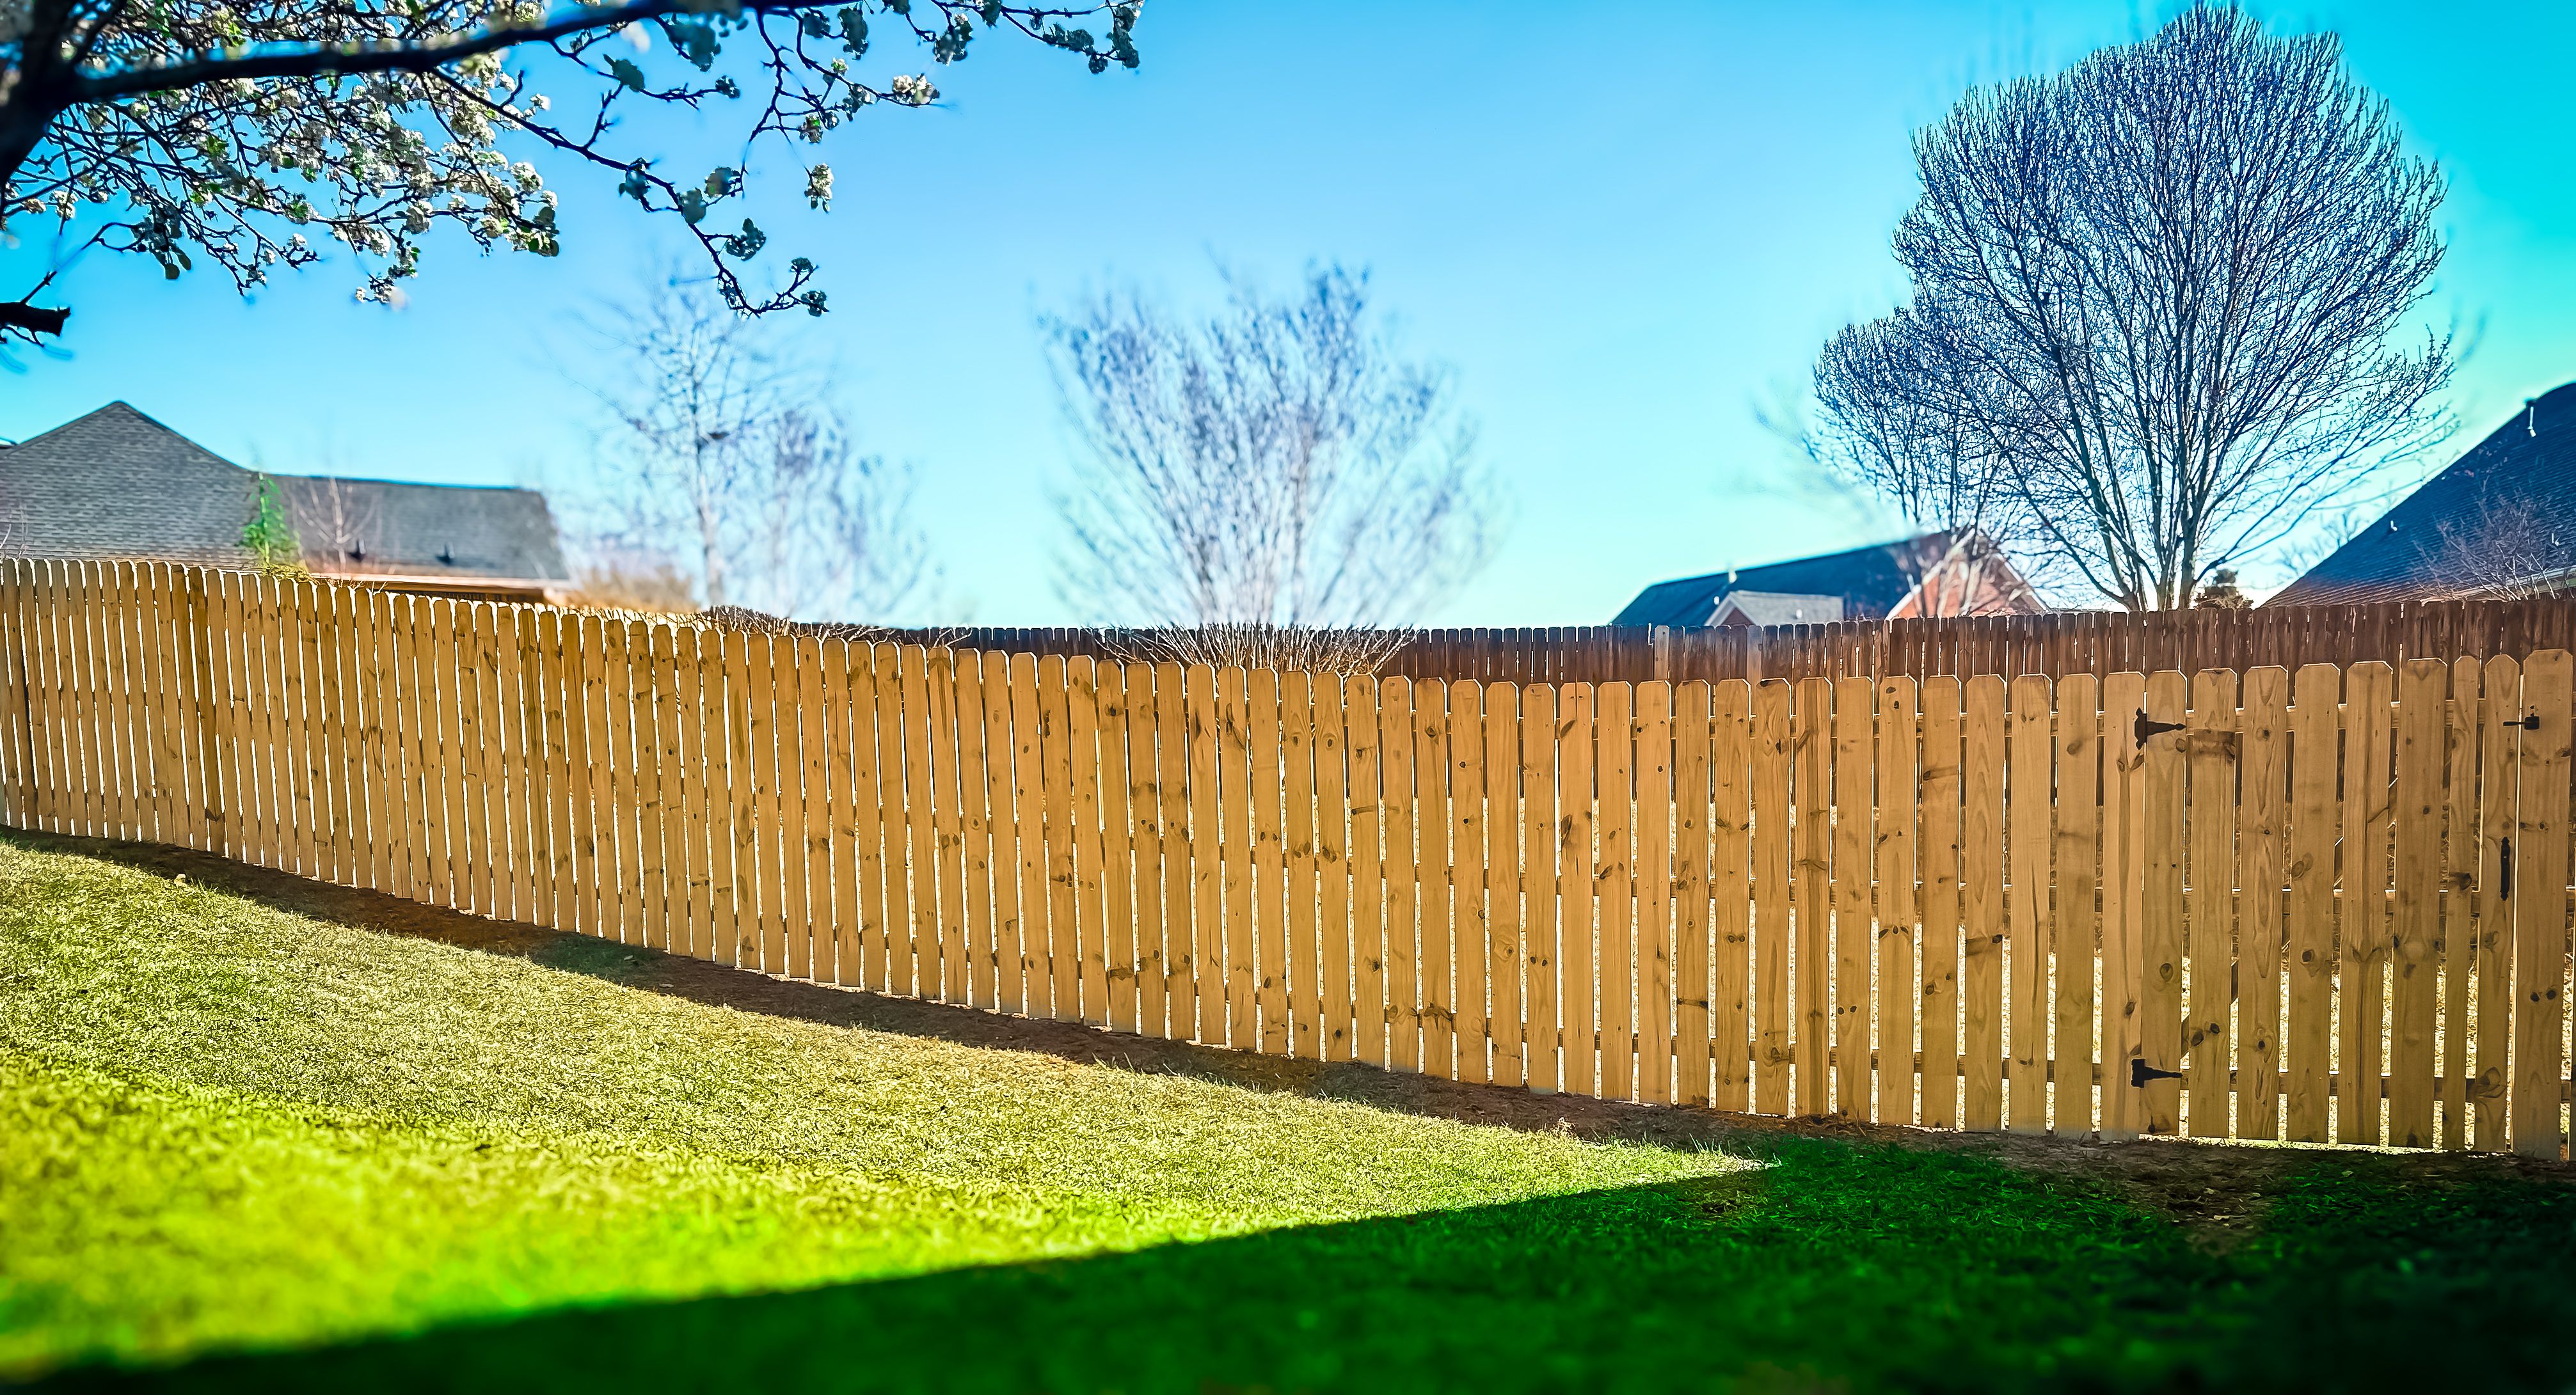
(1287,648)
(618,580)
(2505,547)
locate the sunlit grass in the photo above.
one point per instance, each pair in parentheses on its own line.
(229,1124)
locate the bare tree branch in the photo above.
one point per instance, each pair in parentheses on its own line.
(726,466)
(248,136)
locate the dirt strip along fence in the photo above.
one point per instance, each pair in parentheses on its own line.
(2322,905)
(2099,643)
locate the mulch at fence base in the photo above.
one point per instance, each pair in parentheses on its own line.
(2218,1189)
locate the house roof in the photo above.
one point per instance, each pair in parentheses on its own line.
(2530,460)
(1778,608)
(1870,581)
(117,483)
(426,530)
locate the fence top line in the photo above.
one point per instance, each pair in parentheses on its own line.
(2053,646)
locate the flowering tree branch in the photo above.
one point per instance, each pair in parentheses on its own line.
(225,129)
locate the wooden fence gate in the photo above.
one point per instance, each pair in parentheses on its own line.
(2329,905)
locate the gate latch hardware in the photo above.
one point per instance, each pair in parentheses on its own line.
(2140,1073)
(2530,722)
(2504,869)
(2148,726)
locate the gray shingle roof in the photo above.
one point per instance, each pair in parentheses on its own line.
(423,529)
(2529,461)
(116,483)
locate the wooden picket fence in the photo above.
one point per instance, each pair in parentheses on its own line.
(2329,905)
(2057,645)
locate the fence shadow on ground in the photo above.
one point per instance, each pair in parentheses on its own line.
(719,985)
(1835,1268)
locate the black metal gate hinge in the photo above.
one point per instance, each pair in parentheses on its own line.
(2140,1073)
(2148,726)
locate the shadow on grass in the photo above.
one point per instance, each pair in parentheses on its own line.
(1835,1268)
(746,989)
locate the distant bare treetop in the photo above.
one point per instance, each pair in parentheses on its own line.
(2153,299)
(1277,464)
(730,470)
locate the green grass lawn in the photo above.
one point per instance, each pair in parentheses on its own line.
(246,1149)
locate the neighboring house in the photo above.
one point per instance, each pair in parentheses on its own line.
(2501,521)
(116,483)
(1931,575)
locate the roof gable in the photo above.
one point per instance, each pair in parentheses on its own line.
(1870,581)
(118,483)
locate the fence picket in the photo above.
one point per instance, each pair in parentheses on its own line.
(2368,825)
(1034,802)
(1577,851)
(1004,815)
(1063,958)
(1268,790)
(1542,1035)
(2263,764)
(2159,928)
(1811,893)
(1898,996)
(1435,892)
(2540,930)
(1398,785)
(1242,974)
(1854,834)
(2499,775)
(1652,840)
(1940,851)
(1295,965)
(1207,867)
(1614,780)
(1115,947)
(2414,990)
(1148,805)
(1333,837)
(2456,945)
(2074,928)
(2031,843)
(2208,1015)
(1774,737)
(1693,965)
(1982,893)
(1468,957)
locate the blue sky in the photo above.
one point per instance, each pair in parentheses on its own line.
(1625,225)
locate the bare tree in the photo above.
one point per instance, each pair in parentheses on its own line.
(727,465)
(1277,464)
(2151,311)
(337,521)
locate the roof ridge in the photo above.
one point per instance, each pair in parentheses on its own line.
(408,484)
